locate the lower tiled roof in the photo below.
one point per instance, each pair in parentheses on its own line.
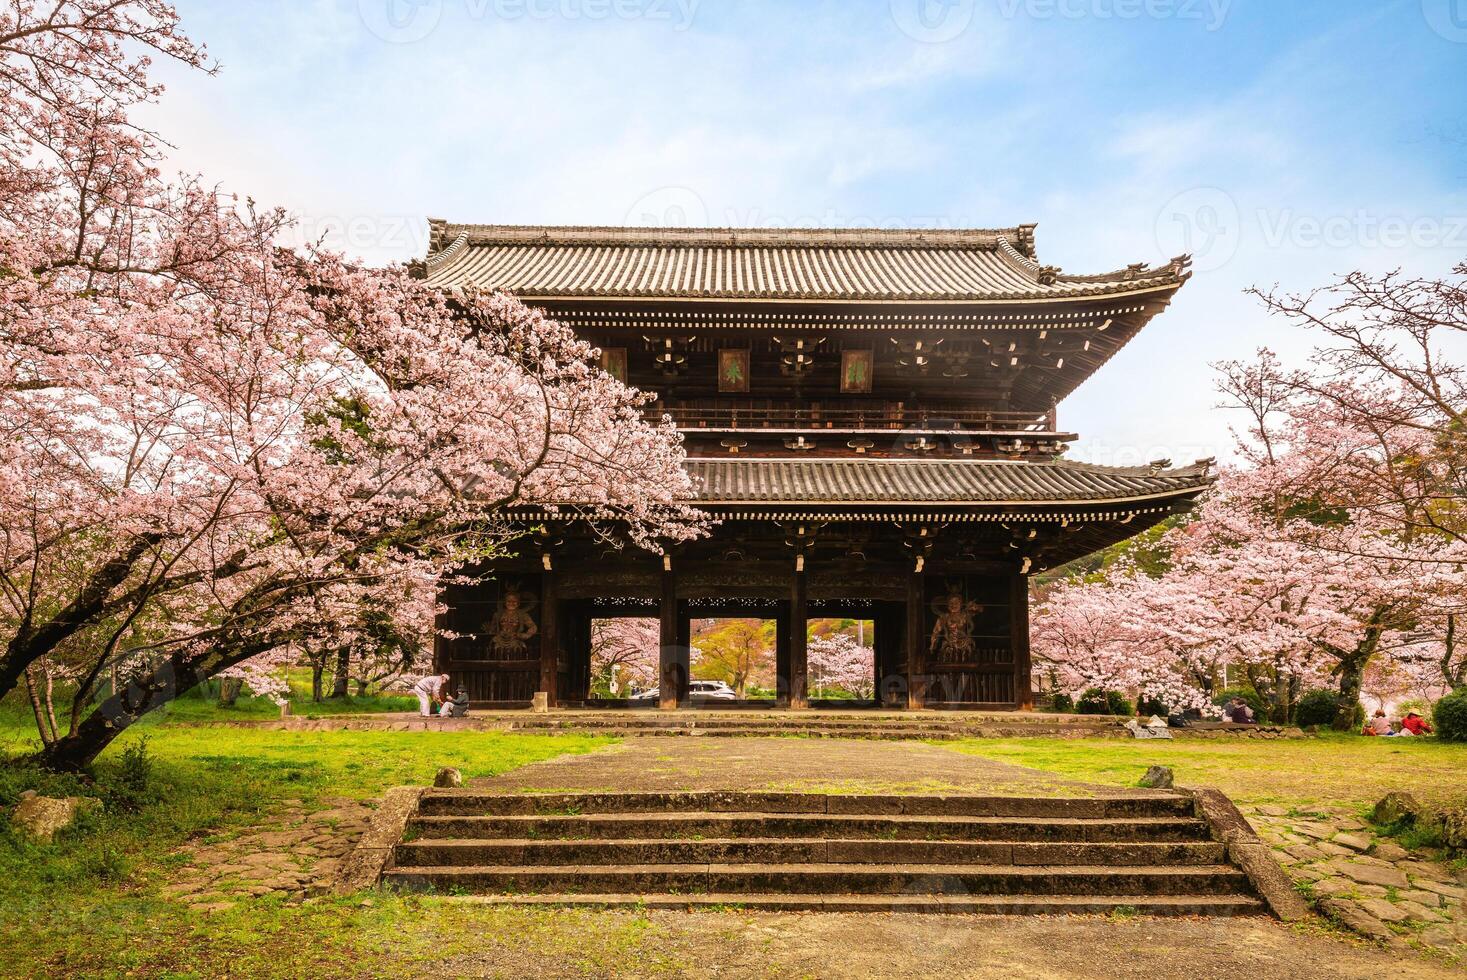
(946,481)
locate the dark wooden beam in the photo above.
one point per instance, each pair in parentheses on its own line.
(1019,637)
(549,637)
(797,680)
(916,651)
(672,683)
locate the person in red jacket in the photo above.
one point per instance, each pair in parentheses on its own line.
(1415,724)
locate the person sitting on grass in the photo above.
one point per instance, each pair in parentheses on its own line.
(430,691)
(1378,725)
(1238,712)
(1414,724)
(456,706)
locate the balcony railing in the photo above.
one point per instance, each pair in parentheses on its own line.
(858,419)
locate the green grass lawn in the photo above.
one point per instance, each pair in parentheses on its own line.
(1344,769)
(89,905)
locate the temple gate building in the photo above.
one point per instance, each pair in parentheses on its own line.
(871,417)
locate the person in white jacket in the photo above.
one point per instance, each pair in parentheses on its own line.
(430,690)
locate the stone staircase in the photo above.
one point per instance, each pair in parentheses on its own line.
(730,723)
(790,851)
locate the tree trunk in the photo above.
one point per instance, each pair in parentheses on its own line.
(139,695)
(45,719)
(343,673)
(30,642)
(1351,669)
(317,669)
(361,687)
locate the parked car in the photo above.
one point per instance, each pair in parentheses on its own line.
(709,690)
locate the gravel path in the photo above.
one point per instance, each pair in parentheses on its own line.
(789,765)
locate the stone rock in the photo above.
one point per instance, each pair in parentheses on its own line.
(27,794)
(1383,910)
(1353,841)
(1158,777)
(1332,888)
(1273,811)
(1424,869)
(1387,851)
(1318,831)
(1356,918)
(1334,849)
(1369,874)
(43,816)
(1440,888)
(1440,937)
(1430,899)
(1304,852)
(1395,808)
(1416,912)
(448,778)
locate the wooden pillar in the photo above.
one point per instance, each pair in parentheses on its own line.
(549,637)
(672,682)
(916,650)
(799,632)
(888,646)
(782,653)
(1019,637)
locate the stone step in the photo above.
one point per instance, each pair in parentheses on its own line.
(1169,905)
(798,722)
(510,851)
(830,879)
(471,802)
(830,826)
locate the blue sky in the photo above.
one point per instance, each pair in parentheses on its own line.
(1283,141)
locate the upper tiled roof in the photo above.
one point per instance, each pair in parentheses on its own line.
(856,265)
(948,481)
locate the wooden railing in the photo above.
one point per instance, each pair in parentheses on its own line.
(875,418)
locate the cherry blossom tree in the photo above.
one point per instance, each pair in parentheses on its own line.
(212,447)
(837,660)
(625,653)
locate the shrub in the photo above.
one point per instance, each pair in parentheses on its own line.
(1152,706)
(1249,695)
(1450,716)
(1063,703)
(1096,701)
(132,784)
(1317,707)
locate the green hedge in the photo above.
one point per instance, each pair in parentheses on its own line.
(1450,716)
(1317,707)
